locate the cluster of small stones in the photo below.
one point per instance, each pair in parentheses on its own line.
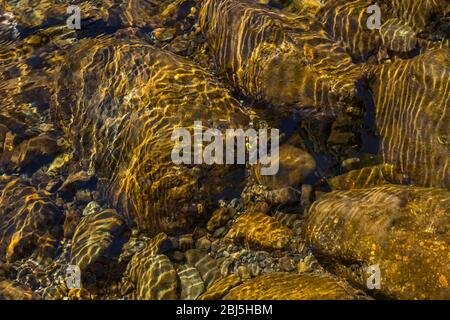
(228,256)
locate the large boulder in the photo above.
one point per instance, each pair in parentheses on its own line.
(284,59)
(289,286)
(402,230)
(134,96)
(412,99)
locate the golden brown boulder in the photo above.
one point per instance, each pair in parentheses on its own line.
(402,230)
(412,99)
(221,287)
(366,177)
(30,223)
(29,13)
(397,36)
(346,22)
(417,14)
(289,286)
(287,60)
(260,230)
(121,125)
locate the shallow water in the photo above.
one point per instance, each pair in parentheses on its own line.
(86,151)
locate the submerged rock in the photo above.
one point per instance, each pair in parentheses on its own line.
(150,274)
(221,287)
(287,60)
(121,127)
(346,21)
(281,197)
(207,266)
(191,282)
(219,218)
(398,37)
(366,177)
(94,237)
(36,13)
(403,230)
(417,14)
(294,165)
(10,290)
(412,117)
(30,222)
(289,286)
(260,230)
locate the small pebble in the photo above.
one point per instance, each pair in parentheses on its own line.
(203,244)
(286,264)
(186,241)
(242,272)
(219,232)
(164,34)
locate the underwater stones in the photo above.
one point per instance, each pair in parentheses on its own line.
(346,22)
(149,13)
(203,243)
(289,286)
(219,218)
(94,237)
(157,279)
(397,36)
(121,126)
(30,222)
(191,282)
(287,60)
(10,290)
(71,220)
(366,177)
(412,99)
(151,274)
(31,153)
(186,241)
(417,14)
(76,181)
(281,197)
(164,34)
(21,121)
(221,287)
(31,13)
(207,266)
(80,294)
(294,166)
(260,230)
(286,219)
(401,229)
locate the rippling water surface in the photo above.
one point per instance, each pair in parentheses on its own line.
(92,205)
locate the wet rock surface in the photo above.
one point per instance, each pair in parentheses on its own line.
(285,286)
(401,229)
(86,172)
(144,183)
(30,222)
(421,106)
